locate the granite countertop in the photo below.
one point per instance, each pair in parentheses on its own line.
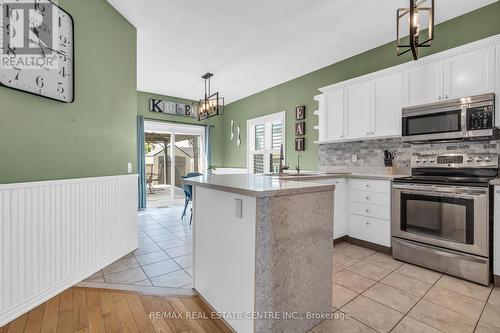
(258,185)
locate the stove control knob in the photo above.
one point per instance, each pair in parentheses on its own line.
(424,160)
(470,159)
(488,159)
(479,159)
(417,161)
(432,160)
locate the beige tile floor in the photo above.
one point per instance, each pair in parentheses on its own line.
(371,293)
(163,258)
(374,293)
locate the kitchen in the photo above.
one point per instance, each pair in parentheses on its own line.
(412,152)
(349,181)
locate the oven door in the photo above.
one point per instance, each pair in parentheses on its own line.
(442,124)
(452,217)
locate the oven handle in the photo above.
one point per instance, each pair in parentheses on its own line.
(440,251)
(439,191)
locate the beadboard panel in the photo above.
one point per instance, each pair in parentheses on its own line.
(54,234)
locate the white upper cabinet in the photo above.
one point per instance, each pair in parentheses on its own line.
(423,84)
(358,106)
(369,106)
(334,115)
(386,118)
(470,74)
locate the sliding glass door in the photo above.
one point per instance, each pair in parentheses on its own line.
(171,151)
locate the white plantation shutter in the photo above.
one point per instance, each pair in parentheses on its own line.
(265,135)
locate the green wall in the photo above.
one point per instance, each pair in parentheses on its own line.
(472,26)
(41,139)
(217,132)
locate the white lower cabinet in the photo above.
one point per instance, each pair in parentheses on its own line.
(340,227)
(369,210)
(370,229)
(496,233)
(361,209)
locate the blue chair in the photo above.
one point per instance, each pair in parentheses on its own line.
(188,192)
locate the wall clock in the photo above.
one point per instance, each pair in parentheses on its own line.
(37,54)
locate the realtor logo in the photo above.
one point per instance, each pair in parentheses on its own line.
(28,32)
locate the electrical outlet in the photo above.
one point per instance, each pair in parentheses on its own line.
(129,167)
(354,158)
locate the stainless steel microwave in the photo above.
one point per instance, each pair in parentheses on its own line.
(461,118)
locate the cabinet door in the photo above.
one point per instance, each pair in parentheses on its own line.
(470,74)
(496,230)
(497,88)
(340,210)
(386,118)
(423,84)
(334,115)
(358,106)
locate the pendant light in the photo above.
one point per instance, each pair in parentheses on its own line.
(413,16)
(211,105)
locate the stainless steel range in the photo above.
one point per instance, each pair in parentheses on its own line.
(441,215)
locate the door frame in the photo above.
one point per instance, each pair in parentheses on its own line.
(160,126)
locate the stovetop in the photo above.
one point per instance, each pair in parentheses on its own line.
(470,169)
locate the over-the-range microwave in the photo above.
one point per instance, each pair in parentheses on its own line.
(461,118)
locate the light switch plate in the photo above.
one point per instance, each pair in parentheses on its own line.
(354,158)
(129,167)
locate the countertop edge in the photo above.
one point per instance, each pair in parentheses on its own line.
(265,193)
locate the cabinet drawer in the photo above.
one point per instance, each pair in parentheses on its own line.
(372,198)
(371,230)
(370,185)
(379,212)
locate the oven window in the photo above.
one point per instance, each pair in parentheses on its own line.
(442,122)
(446,218)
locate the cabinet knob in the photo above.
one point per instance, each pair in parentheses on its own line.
(446,96)
(440,98)
(367,198)
(367,223)
(367,133)
(367,185)
(367,210)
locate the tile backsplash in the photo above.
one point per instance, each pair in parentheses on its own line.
(337,157)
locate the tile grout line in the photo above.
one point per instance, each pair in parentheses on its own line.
(380,281)
(484,307)
(421,298)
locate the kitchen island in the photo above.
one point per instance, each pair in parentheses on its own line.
(262,250)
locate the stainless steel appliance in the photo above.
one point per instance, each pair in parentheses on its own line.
(441,215)
(461,118)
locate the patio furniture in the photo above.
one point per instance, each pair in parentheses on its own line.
(188,192)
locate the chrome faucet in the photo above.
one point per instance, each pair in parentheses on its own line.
(298,163)
(282,159)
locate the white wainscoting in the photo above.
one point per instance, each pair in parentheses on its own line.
(53,234)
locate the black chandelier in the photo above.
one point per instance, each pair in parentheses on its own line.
(414,16)
(211,105)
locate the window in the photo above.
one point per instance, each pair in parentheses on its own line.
(265,136)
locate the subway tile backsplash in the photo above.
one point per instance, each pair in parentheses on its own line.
(337,157)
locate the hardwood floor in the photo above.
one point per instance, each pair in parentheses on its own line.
(95,310)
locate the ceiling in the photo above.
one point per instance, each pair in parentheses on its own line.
(254,45)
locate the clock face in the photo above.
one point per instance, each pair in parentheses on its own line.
(41,59)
